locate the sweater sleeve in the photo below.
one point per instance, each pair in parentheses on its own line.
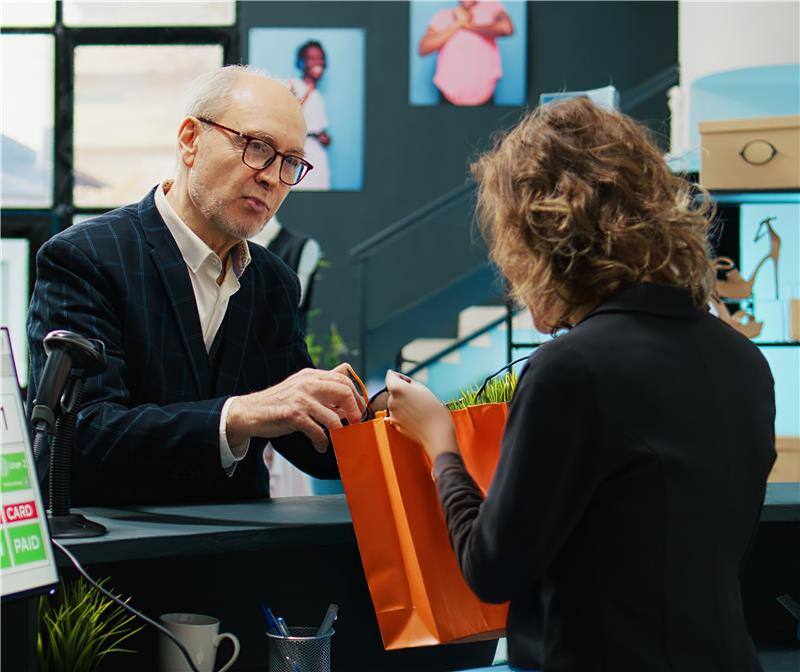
(548,469)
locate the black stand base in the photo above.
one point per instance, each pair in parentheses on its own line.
(74,526)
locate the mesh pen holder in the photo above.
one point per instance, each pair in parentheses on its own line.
(303,651)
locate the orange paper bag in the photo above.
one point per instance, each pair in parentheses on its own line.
(419,594)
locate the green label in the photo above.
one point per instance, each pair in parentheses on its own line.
(13,472)
(5,558)
(26,543)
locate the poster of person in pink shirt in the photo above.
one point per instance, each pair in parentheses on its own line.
(468,53)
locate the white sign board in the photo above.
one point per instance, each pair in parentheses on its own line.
(26,554)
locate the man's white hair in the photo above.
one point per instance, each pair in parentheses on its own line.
(209,94)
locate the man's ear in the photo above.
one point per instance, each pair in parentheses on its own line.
(188,136)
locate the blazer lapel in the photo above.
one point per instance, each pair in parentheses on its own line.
(174,275)
(237,327)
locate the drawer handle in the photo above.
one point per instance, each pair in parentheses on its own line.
(758,152)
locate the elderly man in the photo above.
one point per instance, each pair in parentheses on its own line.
(206,357)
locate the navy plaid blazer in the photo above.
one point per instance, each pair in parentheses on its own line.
(148,429)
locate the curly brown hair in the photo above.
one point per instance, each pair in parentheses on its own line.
(576,202)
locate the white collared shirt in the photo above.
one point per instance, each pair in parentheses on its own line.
(212,298)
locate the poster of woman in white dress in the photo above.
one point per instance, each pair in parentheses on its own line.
(311,62)
(325,70)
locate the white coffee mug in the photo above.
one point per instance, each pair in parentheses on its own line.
(200,636)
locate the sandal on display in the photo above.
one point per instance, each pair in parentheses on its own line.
(744,322)
(734,286)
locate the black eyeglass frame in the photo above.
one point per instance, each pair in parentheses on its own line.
(249,138)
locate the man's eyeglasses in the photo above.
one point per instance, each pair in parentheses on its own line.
(259,154)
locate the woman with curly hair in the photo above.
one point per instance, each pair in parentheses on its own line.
(634,461)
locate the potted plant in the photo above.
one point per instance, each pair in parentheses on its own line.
(328,353)
(79,627)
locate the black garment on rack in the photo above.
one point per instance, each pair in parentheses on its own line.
(288,246)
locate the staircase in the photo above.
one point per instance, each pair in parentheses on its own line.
(460,330)
(415,278)
(449,365)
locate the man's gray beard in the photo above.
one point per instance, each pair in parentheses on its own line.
(234,229)
(213,212)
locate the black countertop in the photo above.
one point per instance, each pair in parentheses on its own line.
(143,532)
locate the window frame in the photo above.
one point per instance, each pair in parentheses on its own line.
(67,39)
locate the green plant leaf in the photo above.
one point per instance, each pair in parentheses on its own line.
(498,390)
(329,352)
(80,626)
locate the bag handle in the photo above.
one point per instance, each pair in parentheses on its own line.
(368,409)
(499,371)
(363,389)
(482,389)
(359,383)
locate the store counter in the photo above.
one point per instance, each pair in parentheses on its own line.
(297,555)
(150,532)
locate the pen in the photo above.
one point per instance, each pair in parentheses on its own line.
(327,622)
(272,624)
(277,626)
(282,627)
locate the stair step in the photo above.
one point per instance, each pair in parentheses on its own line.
(521,320)
(422,376)
(421,349)
(470,320)
(474,318)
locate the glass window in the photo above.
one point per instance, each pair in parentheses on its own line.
(26,123)
(77,219)
(27,13)
(128,105)
(93,13)
(14,271)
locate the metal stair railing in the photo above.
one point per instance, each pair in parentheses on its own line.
(402,323)
(365,251)
(404,226)
(461,342)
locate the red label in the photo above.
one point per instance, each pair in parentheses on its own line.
(14,513)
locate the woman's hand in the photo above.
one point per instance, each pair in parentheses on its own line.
(419,415)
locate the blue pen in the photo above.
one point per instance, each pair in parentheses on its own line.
(272,624)
(277,626)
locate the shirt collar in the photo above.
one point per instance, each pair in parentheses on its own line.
(240,257)
(653,298)
(193,249)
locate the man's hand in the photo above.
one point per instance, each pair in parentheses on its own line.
(308,401)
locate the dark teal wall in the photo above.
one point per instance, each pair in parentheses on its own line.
(415,154)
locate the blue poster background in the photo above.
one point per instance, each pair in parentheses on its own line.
(342,86)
